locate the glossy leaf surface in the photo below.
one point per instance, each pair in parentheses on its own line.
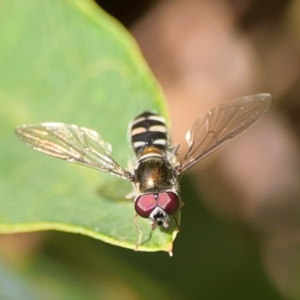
(68,61)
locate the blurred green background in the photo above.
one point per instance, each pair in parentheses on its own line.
(239,235)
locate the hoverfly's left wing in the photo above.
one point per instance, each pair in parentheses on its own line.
(217,126)
(72,143)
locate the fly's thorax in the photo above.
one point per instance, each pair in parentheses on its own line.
(148,130)
(153,172)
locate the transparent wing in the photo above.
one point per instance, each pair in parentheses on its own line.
(217,126)
(72,143)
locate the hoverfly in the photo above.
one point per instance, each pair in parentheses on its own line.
(155,177)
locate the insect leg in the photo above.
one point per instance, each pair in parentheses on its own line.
(140,233)
(132,194)
(174,216)
(175,149)
(176,222)
(172,153)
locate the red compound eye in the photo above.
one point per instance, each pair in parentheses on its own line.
(168,201)
(144,205)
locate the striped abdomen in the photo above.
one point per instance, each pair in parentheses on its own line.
(148,129)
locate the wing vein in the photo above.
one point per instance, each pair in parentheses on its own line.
(217,126)
(72,143)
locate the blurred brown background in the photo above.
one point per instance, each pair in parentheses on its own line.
(207,52)
(204,53)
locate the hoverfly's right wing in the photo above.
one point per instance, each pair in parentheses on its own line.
(217,126)
(72,143)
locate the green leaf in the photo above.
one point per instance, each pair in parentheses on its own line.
(68,61)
